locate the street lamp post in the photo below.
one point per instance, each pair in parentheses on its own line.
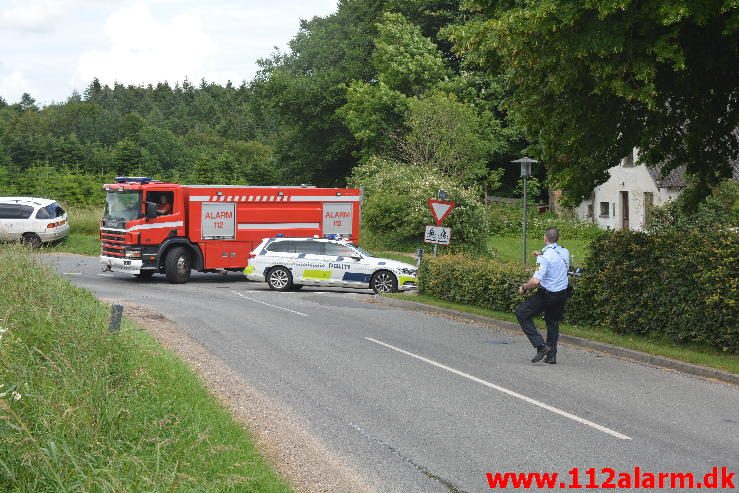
(525,163)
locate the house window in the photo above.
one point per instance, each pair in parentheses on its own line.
(629,161)
(604,209)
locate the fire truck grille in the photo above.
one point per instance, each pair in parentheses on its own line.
(112,242)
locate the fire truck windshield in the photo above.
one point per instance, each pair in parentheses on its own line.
(122,206)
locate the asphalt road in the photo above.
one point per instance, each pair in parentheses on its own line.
(420,403)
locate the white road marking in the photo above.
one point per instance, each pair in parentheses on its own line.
(506,391)
(106,275)
(72,273)
(269,304)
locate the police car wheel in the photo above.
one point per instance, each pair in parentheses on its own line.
(384,282)
(279,279)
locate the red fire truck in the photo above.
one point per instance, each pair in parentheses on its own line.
(152,227)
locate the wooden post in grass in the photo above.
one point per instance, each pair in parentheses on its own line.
(116,315)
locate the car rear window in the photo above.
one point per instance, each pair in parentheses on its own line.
(43,213)
(15,211)
(56,210)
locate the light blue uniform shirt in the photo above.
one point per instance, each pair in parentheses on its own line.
(552,266)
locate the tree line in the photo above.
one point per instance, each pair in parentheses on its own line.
(459,87)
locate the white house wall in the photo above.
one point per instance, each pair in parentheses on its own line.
(635,180)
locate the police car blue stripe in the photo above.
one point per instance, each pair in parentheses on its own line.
(356,277)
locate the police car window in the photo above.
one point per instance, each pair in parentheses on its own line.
(311,247)
(334,249)
(281,246)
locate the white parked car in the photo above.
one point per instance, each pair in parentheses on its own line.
(32,220)
(291,263)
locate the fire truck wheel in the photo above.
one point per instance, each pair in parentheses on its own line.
(279,279)
(177,265)
(384,282)
(31,239)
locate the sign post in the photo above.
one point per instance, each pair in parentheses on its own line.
(437,235)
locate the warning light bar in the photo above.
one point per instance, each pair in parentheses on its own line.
(133,179)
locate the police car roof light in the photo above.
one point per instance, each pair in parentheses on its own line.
(279,235)
(133,179)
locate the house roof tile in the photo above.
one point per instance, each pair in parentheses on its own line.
(674,179)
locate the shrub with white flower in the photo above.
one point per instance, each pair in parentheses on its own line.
(395,207)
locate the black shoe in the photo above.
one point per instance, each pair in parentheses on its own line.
(541,351)
(552,360)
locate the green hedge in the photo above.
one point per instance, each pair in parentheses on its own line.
(681,284)
(473,281)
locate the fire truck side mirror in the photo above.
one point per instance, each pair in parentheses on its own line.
(151,210)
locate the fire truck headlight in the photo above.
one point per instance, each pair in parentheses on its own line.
(135,253)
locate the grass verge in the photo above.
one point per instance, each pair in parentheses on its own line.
(84,232)
(511,249)
(82,410)
(695,354)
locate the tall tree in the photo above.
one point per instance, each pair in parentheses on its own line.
(593,80)
(301,91)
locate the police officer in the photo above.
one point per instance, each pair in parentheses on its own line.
(552,264)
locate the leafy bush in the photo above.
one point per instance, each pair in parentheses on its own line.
(64,185)
(679,284)
(473,281)
(719,208)
(682,284)
(395,211)
(506,220)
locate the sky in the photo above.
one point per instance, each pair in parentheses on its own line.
(49,48)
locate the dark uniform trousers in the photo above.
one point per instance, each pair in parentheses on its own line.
(553,306)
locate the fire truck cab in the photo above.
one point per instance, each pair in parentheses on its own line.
(152,227)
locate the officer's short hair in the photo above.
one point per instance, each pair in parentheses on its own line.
(552,235)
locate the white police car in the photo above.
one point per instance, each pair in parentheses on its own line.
(291,263)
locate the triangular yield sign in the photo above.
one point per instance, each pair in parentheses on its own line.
(440,210)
